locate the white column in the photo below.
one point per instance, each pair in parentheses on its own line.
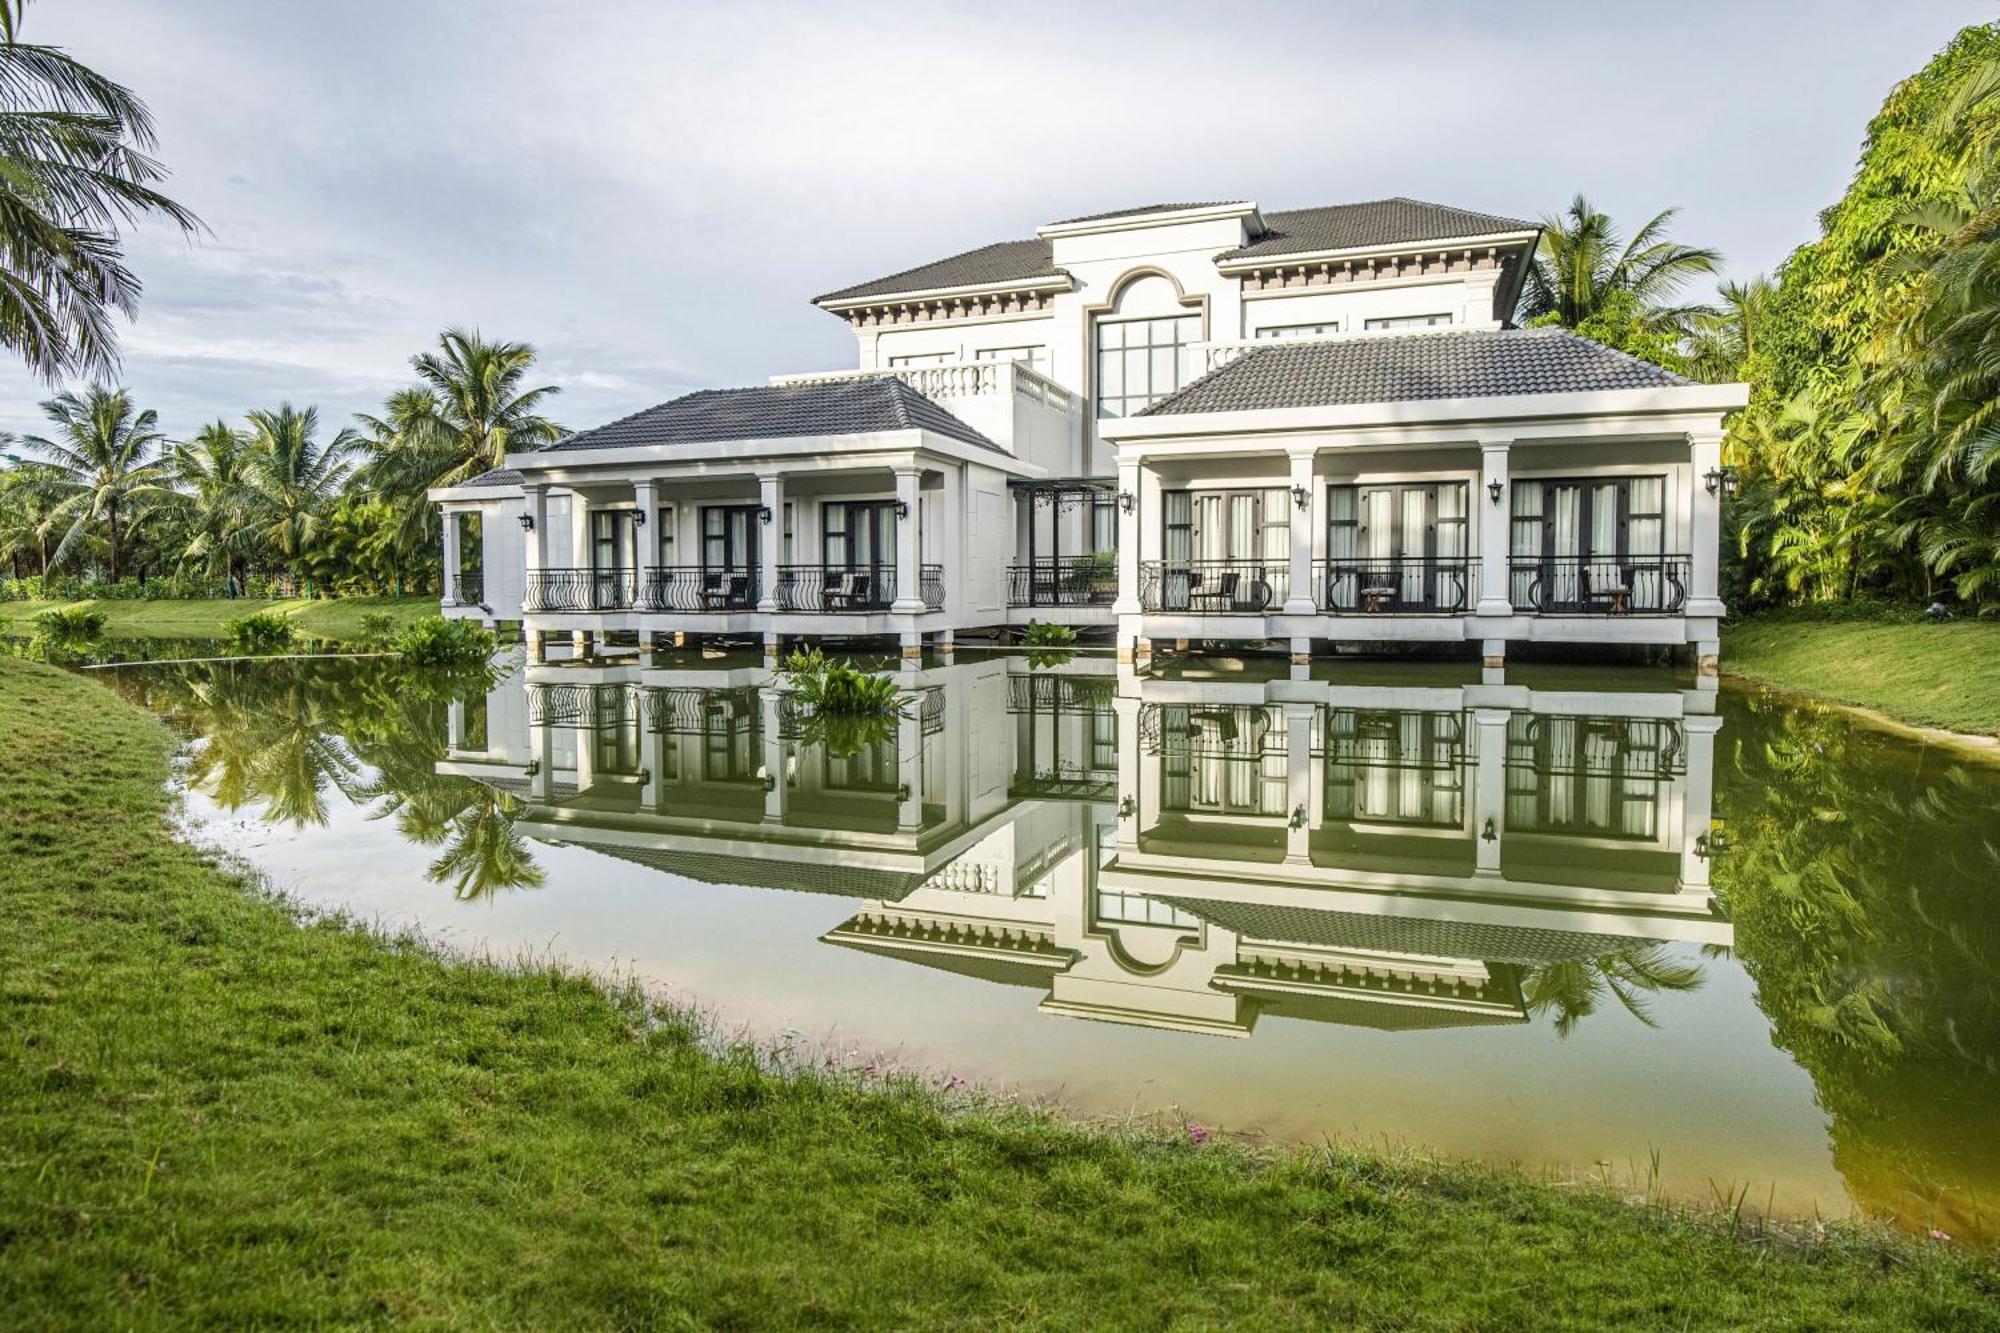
(538,510)
(1698,807)
(579,531)
(1298,783)
(909,545)
(1126,706)
(1494,586)
(1704,526)
(542,754)
(910,767)
(775,792)
(1129,513)
(1489,791)
(450,556)
(770,541)
(1300,600)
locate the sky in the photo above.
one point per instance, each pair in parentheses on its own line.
(651,193)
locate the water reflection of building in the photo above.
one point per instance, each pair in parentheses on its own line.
(1171,853)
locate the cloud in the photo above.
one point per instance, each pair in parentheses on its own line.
(650,193)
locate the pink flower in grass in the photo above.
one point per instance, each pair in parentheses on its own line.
(1197,1134)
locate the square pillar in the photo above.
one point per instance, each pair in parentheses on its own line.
(1129,513)
(579,531)
(775,791)
(1708,664)
(1495,519)
(450,581)
(1698,804)
(1298,783)
(909,546)
(646,548)
(1704,526)
(537,528)
(770,541)
(1299,598)
(1126,706)
(912,644)
(1489,789)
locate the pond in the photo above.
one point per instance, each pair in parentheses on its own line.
(1594,923)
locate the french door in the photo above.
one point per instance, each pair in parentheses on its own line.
(729,537)
(858,548)
(1225,550)
(1399,546)
(1591,543)
(614,556)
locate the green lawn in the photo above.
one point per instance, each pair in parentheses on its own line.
(338,618)
(212,1114)
(1944,675)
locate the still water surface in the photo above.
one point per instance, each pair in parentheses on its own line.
(1579,921)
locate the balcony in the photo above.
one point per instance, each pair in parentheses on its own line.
(837,590)
(1642,585)
(1071,580)
(560,590)
(697,588)
(469,588)
(1213,587)
(1437,586)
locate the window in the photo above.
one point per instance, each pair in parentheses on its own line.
(1405,537)
(664,518)
(1406,322)
(1570,535)
(859,534)
(1140,361)
(1301,330)
(922,359)
(613,540)
(471,544)
(729,538)
(1035,358)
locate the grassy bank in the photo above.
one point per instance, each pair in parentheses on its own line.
(212,1114)
(339,618)
(1932,675)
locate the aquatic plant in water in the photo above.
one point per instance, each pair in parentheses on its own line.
(435,641)
(262,632)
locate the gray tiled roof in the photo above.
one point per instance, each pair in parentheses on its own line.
(1138,212)
(1488,941)
(1297,231)
(1376,222)
(499,476)
(776,411)
(1400,367)
(1003,261)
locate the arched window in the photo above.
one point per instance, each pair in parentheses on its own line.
(1145,346)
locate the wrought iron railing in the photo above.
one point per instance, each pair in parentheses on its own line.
(687,710)
(841,590)
(1213,587)
(1439,585)
(1071,580)
(579,590)
(469,589)
(1599,585)
(1048,692)
(698,588)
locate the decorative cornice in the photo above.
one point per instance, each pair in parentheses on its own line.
(1311,271)
(1020,298)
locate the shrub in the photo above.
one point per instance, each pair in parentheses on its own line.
(435,641)
(261,631)
(71,622)
(1041,635)
(840,688)
(377,628)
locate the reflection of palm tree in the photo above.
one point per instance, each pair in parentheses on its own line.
(1573,990)
(484,854)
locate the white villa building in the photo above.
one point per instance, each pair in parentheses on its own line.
(1178,422)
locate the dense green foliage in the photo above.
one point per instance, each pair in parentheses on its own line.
(71,622)
(437,642)
(1624,294)
(1870,454)
(226,1117)
(282,503)
(343,618)
(262,631)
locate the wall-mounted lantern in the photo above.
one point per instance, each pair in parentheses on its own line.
(764,515)
(1127,502)
(1496,488)
(1722,479)
(527,522)
(1489,833)
(1127,808)
(639,517)
(902,509)
(1301,497)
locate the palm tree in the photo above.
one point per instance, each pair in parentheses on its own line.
(1723,343)
(213,470)
(1572,990)
(294,478)
(1580,269)
(102,464)
(28,493)
(74,166)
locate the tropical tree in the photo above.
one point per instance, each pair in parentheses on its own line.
(294,480)
(28,492)
(1573,990)
(74,167)
(103,462)
(213,470)
(1626,293)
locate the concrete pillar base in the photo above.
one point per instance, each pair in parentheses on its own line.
(912,651)
(1708,664)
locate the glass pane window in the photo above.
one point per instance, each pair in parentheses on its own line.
(1407,322)
(921,359)
(1035,358)
(1299,330)
(1140,361)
